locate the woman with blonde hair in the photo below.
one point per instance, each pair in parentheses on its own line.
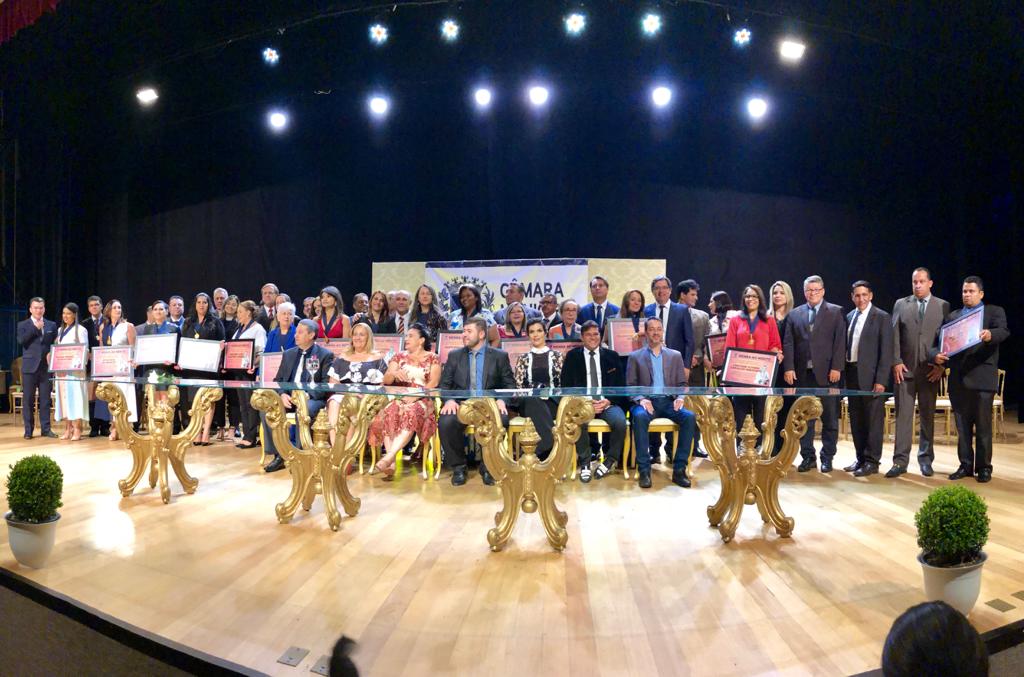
(360,364)
(781,303)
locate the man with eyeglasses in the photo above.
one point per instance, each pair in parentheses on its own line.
(814,357)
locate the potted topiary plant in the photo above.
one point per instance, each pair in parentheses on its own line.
(34,489)
(952,528)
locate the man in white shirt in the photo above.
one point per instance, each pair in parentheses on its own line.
(549,310)
(176,306)
(403,310)
(268,310)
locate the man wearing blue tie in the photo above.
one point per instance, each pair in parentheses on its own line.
(35,336)
(600,309)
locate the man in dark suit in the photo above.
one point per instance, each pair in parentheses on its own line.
(678,331)
(591,366)
(267,312)
(915,321)
(973,382)
(868,367)
(814,357)
(293,370)
(660,367)
(549,311)
(600,309)
(92,323)
(35,336)
(472,367)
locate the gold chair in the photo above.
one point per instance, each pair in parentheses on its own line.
(658,425)
(601,428)
(944,404)
(998,408)
(16,394)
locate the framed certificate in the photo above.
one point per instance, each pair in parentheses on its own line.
(336,346)
(515,348)
(199,355)
(238,354)
(388,343)
(448,341)
(620,335)
(962,333)
(714,349)
(269,363)
(156,349)
(110,361)
(65,357)
(754,368)
(564,346)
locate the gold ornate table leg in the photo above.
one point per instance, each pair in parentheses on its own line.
(528,484)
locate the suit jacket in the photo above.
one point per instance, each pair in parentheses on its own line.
(977,368)
(497,370)
(574,372)
(263,318)
(93,330)
(640,369)
(874,351)
(701,329)
(290,362)
(679,332)
(35,344)
(166,328)
(825,346)
(912,338)
(589,312)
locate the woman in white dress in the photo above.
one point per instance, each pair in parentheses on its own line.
(72,395)
(116,331)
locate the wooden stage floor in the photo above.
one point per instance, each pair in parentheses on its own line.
(644,587)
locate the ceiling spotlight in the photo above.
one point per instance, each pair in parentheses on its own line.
(270,56)
(277,120)
(147,96)
(651,24)
(757,107)
(791,50)
(378,34)
(539,95)
(741,38)
(450,30)
(483,97)
(661,96)
(575,23)
(379,105)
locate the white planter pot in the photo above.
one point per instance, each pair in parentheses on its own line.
(958,587)
(31,543)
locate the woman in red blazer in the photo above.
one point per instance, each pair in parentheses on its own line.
(753,329)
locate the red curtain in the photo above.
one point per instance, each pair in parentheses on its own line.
(17,14)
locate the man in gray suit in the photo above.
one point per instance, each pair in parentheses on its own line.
(659,367)
(915,321)
(687,293)
(814,356)
(868,365)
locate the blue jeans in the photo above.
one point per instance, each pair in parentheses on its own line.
(268,437)
(684,418)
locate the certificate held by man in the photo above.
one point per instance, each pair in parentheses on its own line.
(962,333)
(199,355)
(156,349)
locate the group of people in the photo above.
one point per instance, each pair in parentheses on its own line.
(816,344)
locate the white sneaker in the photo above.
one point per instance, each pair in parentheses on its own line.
(585,475)
(603,470)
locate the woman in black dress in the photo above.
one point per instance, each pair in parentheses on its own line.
(200,324)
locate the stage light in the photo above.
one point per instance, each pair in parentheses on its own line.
(791,50)
(450,30)
(741,38)
(379,105)
(651,24)
(147,96)
(270,56)
(539,95)
(757,107)
(378,34)
(483,97)
(575,22)
(661,96)
(277,120)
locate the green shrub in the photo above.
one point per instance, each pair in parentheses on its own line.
(952,526)
(34,489)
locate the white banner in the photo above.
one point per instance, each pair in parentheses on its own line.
(565,278)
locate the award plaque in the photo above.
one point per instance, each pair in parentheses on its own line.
(65,357)
(754,368)
(111,361)
(199,355)
(714,349)
(448,341)
(336,346)
(962,333)
(238,354)
(156,349)
(515,348)
(388,344)
(269,362)
(620,334)
(564,346)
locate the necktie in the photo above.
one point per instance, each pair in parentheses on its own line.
(849,340)
(921,305)
(814,314)
(599,320)
(593,371)
(401,324)
(472,371)
(661,314)
(304,377)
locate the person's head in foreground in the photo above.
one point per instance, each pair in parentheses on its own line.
(936,640)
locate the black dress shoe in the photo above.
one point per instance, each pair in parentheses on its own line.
(459,476)
(275,465)
(49,433)
(645,479)
(679,477)
(485,475)
(984,476)
(94,432)
(866,469)
(926,469)
(826,465)
(853,467)
(699,453)
(961,473)
(28,436)
(896,471)
(246,446)
(807,464)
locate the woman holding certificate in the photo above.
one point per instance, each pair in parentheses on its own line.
(116,331)
(332,322)
(72,395)
(226,408)
(358,365)
(632,308)
(753,329)
(201,324)
(248,328)
(539,368)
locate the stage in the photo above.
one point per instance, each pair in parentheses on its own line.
(644,586)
